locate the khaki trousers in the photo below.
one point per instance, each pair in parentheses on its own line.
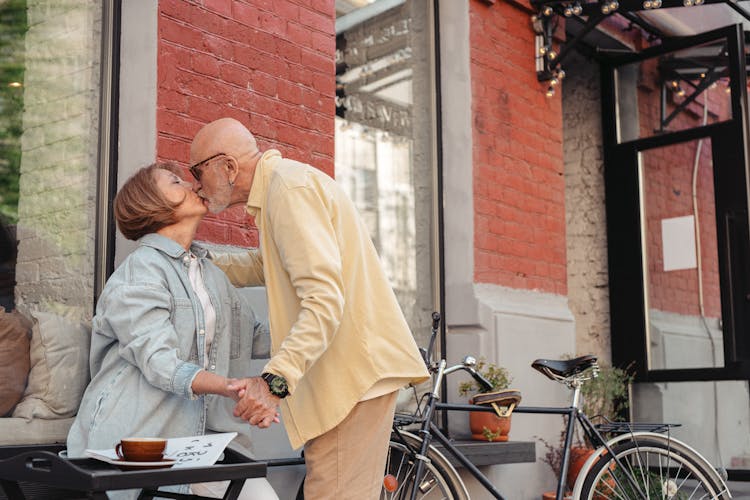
(348,462)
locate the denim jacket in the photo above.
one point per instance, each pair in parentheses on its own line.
(148,344)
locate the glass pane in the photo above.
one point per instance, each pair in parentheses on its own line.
(384,143)
(56,147)
(719,433)
(49,97)
(673,92)
(682,268)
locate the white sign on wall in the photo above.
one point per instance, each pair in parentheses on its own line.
(678,243)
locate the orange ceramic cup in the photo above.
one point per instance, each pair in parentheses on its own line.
(138,449)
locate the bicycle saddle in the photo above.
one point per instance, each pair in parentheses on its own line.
(504,402)
(564,368)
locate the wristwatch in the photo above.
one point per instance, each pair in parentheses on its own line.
(276,384)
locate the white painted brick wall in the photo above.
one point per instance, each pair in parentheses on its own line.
(588,281)
(57,211)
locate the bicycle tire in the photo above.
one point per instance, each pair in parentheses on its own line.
(441,481)
(659,466)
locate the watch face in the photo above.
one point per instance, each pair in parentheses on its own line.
(276,384)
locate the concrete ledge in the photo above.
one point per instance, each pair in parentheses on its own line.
(485,453)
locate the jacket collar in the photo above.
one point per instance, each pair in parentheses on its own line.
(170,246)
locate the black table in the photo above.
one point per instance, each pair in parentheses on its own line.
(41,465)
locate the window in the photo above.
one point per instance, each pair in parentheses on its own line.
(55,73)
(50,95)
(385,141)
(677,230)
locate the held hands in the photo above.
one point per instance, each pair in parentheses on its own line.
(255,403)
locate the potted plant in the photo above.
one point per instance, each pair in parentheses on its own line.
(485,425)
(605,396)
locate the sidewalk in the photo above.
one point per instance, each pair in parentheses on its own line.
(739,489)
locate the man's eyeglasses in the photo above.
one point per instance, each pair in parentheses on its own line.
(195,169)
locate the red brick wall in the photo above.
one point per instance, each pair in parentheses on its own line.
(519,190)
(267,63)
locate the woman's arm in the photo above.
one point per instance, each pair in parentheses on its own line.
(210,383)
(139,317)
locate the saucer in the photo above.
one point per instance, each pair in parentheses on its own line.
(126,465)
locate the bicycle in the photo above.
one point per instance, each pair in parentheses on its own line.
(640,461)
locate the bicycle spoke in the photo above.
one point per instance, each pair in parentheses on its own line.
(402,464)
(650,470)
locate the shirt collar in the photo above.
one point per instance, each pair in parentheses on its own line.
(170,246)
(258,188)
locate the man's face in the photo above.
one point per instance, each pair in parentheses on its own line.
(212,182)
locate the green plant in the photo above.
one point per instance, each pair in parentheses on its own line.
(489,435)
(653,485)
(603,396)
(496,375)
(607,395)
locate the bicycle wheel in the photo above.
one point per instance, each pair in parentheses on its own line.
(652,468)
(440,479)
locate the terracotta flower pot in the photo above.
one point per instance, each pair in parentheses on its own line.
(578,457)
(497,427)
(550,495)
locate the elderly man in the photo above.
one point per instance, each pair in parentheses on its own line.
(341,347)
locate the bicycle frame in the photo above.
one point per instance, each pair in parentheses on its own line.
(429,430)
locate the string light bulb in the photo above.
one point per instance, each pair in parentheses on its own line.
(550,91)
(609,7)
(577,9)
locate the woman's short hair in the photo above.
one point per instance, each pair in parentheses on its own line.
(140,208)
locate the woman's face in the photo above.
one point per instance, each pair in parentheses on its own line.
(180,192)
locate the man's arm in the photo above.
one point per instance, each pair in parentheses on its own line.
(242,268)
(303,231)
(256,405)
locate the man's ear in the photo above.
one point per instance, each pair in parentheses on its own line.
(232,168)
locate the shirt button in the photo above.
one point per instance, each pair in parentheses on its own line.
(201,331)
(186,258)
(213,367)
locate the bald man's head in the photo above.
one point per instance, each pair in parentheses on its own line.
(225,135)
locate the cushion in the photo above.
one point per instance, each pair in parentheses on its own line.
(19,431)
(15,331)
(59,367)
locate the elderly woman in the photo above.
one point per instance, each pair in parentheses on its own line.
(169,331)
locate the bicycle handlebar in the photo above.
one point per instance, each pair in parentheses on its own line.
(484,384)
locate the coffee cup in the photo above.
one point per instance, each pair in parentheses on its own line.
(141,449)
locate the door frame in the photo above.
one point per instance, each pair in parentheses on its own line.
(626,257)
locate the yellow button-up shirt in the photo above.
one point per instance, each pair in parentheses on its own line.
(337,330)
